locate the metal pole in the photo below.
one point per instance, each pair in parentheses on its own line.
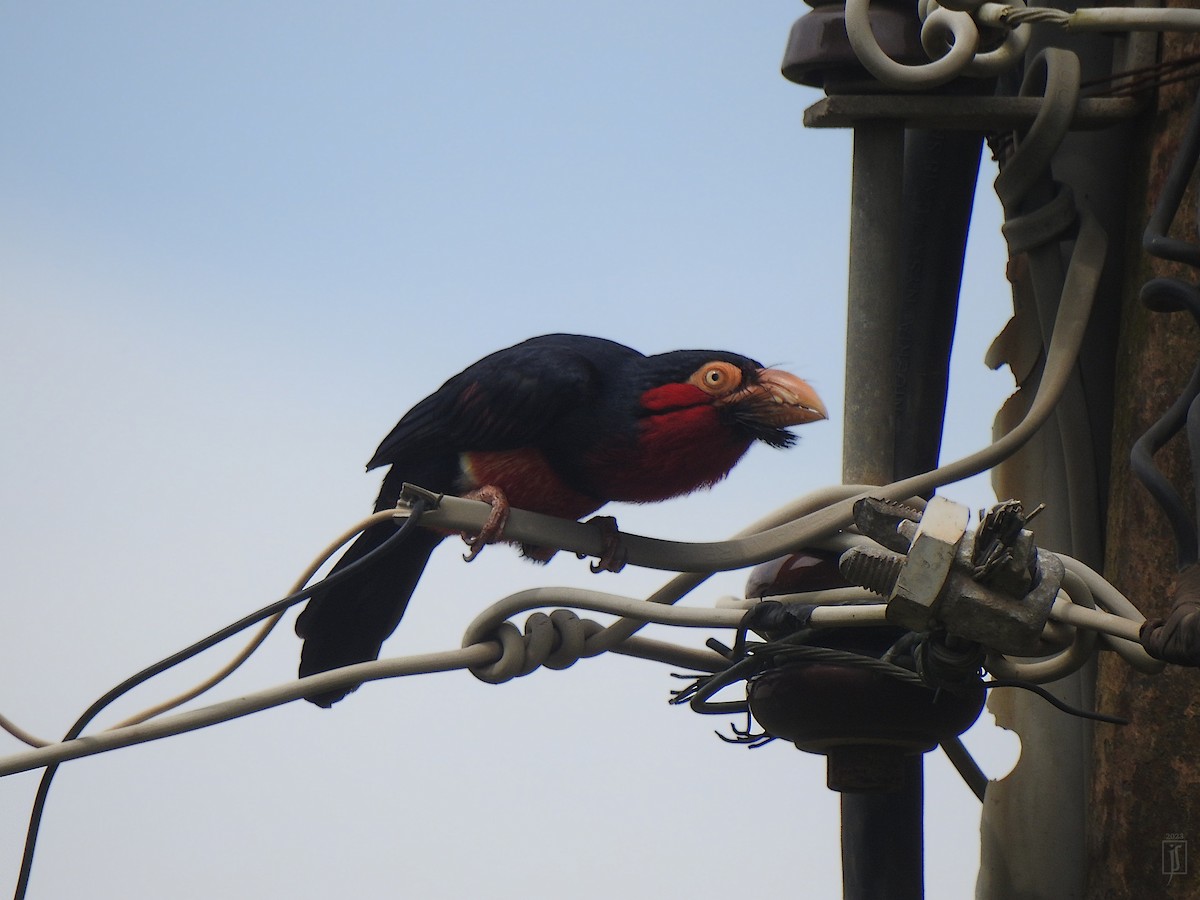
(883,840)
(911,205)
(882,834)
(876,195)
(940,171)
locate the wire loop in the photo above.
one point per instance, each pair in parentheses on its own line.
(556,641)
(950,35)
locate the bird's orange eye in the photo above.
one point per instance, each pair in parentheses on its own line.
(717,378)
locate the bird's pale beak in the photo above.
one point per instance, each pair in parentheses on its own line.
(779,399)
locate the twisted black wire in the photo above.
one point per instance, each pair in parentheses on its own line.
(1174,295)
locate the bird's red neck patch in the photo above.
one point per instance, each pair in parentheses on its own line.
(674,396)
(682,445)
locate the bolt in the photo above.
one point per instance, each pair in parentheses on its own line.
(876,570)
(886,522)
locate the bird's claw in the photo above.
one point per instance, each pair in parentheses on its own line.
(493,528)
(614,554)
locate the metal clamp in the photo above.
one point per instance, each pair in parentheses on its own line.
(992,586)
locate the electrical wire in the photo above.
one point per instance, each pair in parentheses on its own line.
(1107,18)
(244,654)
(956,30)
(267,627)
(1062,664)
(258,701)
(495,653)
(1156,240)
(1130,82)
(759,657)
(1109,599)
(1054,701)
(279,606)
(498,652)
(21,734)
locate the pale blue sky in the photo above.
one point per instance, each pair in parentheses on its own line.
(238,240)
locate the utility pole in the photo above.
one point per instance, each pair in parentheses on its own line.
(1145,793)
(1100,812)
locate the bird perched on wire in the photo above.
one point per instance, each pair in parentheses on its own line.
(559,424)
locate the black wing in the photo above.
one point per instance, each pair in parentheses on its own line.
(507,400)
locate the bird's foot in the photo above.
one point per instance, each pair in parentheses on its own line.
(613,554)
(493,528)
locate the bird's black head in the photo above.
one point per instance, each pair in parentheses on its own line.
(760,401)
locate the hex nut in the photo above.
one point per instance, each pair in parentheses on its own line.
(930,559)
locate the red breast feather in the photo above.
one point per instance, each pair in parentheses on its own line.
(527,480)
(682,444)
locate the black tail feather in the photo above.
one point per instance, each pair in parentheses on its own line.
(349,623)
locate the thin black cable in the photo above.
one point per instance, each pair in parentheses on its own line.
(760,657)
(39,801)
(1192,430)
(1169,295)
(1144,78)
(1054,701)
